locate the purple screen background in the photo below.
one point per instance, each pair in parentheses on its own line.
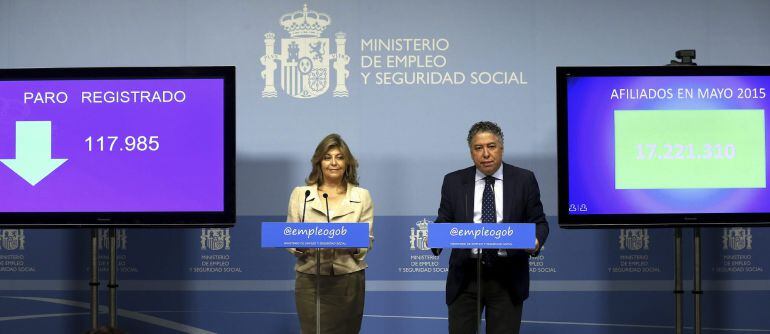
(591,165)
(185,174)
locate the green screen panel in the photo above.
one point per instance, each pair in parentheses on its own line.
(687,149)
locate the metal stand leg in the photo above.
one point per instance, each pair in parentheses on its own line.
(478,292)
(113,284)
(679,325)
(697,291)
(318,291)
(94,284)
(686,57)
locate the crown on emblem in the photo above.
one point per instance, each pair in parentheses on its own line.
(423,224)
(305,23)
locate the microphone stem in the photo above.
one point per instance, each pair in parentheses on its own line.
(328,219)
(318,274)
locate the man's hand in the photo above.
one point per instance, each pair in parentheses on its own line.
(435,251)
(301,252)
(537,247)
(351,251)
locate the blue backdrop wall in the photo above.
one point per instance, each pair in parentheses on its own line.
(404,107)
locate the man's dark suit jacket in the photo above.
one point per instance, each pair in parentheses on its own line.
(521,203)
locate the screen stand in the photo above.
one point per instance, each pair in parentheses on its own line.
(318,291)
(94,283)
(678,290)
(113,283)
(686,57)
(478,290)
(697,291)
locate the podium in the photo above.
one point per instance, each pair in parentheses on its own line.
(318,235)
(480,238)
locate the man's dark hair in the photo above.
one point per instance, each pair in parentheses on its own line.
(485,126)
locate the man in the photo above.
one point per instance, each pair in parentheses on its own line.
(489,192)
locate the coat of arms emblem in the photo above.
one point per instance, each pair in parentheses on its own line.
(305,59)
(215,239)
(12,239)
(736,238)
(634,239)
(121,238)
(418,238)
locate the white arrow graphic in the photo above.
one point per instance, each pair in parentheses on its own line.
(33,152)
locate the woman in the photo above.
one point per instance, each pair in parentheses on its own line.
(342,270)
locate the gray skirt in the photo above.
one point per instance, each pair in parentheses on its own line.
(342,302)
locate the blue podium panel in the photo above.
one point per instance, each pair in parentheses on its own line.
(315,235)
(470,235)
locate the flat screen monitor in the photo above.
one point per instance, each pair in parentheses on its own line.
(663,146)
(117,146)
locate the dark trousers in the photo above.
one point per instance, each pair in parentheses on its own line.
(502,315)
(342,302)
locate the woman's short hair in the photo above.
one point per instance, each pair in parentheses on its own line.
(332,141)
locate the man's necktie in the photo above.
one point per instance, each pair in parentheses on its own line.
(488,211)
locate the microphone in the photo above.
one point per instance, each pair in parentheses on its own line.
(466,205)
(304,205)
(326,197)
(474,251)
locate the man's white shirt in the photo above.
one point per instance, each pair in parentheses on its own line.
(478,194)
